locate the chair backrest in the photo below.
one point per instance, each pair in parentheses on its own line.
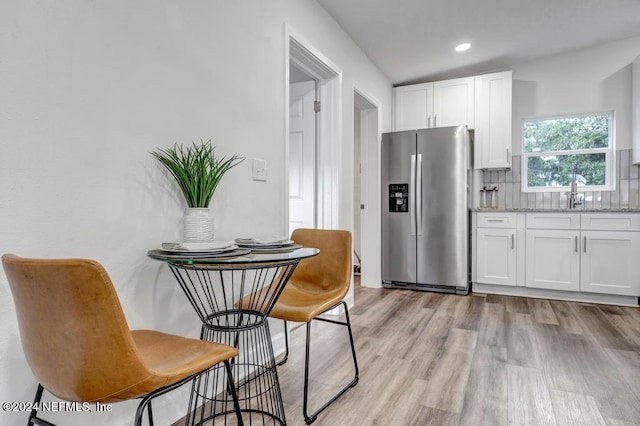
(73,331)
(329,270)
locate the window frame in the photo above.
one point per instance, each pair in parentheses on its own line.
(608,152)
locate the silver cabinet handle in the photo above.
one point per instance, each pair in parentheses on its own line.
(576,243)
(513,237)
(435,118)
(584,244)
(508,156)
(495,220)
(429,121)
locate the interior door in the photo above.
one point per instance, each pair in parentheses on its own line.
(302,155)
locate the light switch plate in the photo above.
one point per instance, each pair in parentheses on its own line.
(259,169)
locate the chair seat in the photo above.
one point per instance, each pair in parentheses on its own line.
(170,359)
(302,305)
(176,357)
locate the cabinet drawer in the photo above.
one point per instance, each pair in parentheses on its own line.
(553,220)
(496,220)
(611,221)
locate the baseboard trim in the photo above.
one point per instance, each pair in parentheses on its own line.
(605,299)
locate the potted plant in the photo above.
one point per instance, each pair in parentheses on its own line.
(197,171)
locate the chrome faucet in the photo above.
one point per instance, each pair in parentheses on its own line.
(573,197)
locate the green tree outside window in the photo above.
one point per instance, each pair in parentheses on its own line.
(551,148)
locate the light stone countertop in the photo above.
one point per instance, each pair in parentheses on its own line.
(566,210)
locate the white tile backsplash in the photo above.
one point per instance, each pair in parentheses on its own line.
(510,195)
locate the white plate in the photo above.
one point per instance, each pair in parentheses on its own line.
(265,245)
(202,247)
(274,249)
(271,241)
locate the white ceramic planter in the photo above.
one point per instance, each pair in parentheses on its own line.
(198,225)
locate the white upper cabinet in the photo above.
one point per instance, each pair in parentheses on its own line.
(439,104)
(453,103)
(482,102)
(413,106)
(492,140)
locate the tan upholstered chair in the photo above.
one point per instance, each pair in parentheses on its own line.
(317,285)
(79,346)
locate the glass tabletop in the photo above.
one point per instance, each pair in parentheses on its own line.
(238,257)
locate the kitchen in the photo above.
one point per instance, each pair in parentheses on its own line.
(89,90)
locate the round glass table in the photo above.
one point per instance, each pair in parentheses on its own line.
(233,294)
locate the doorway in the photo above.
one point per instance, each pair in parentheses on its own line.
(366,220)
(303,111)
(322,207)
(303,64)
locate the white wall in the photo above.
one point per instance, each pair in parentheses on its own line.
(87,89)
(588,80)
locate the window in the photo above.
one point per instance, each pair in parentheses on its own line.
(552,147)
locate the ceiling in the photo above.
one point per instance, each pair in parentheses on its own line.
(413,41)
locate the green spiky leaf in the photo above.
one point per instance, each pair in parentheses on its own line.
(196,169)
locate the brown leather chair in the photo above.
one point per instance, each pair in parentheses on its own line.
(80,348)
(318,285)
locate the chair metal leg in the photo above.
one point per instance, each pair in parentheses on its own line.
(310,418)
(286,345)
(33,416)
(150,412)
(146,400)
(234,394)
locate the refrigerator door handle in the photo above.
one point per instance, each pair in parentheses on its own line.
(412,193)
(419,195)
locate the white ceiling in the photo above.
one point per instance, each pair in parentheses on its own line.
(413,40)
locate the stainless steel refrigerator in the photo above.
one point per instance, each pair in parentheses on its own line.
(424,214)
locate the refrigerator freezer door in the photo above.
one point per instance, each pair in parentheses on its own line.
(398,245)
(442,253)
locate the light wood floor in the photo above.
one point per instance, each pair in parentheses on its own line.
(434,359)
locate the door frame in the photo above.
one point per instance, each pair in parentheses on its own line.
(329,127)
(370,154)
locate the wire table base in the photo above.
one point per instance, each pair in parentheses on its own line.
(233,299)
(256,377)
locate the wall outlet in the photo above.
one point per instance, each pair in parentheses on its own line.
(259,169)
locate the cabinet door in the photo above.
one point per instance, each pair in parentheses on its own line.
(611,262)
(492,139)
(413,106)
(552,259)
(496,256)
(453,102)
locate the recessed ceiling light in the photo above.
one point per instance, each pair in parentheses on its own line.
(462,47)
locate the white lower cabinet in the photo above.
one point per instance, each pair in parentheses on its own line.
(565,251)
(496,248)
(552,259)
(599,253)
(496,256)
(610,262)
